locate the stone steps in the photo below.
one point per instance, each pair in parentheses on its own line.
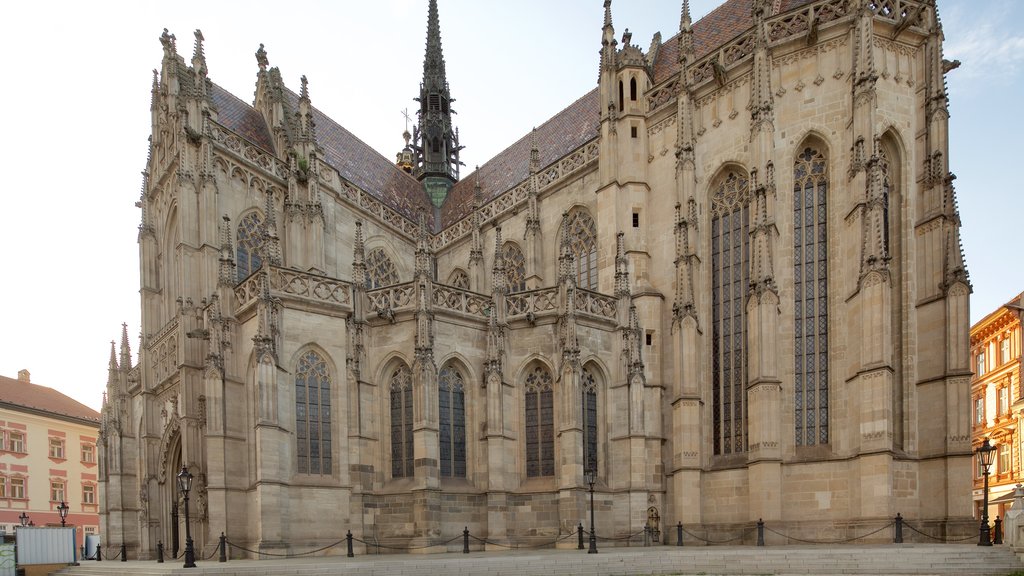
(920,559)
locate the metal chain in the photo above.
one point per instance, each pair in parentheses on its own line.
(907,524)
(408,547)
(289,555)
(741,536)
(843,541)
(524,546)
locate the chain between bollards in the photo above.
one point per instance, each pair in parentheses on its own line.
(898,535)
(348,540)
(760,532)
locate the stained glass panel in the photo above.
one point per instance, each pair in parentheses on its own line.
(730,262)
(540,424)
(401,423)
(452,421)
(248,239)
(312,415)
(515,267)
(380,270)
(810,310)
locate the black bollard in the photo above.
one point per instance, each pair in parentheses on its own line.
(124,554)
(160,552)
(760,532)
(465,540)
(223,548)
(99,552)
(997,535)
(579,531)
(898,537)
(83,552)
(348,540)
(679,534)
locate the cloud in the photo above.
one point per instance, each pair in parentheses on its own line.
(988,41)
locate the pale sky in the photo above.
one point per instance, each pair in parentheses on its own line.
(77,96)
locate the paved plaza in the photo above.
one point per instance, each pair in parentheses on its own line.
(919,559)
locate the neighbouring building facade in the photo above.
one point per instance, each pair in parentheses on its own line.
(728,279)
(996,403)
(47,456)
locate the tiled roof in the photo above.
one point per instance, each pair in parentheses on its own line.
(719,26)
(356,161)
(363,166)
(241,118)
(563,133)
(27,395)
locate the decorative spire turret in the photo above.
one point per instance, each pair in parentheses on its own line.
(126,351)
(271,243)
(686,53)
(307,128)
(436,142)
(226,271)
(498,280)
(358,258)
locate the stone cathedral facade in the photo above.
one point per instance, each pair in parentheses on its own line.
(728,279)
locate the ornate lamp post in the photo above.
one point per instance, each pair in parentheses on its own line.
(590,477)
(24,519)
(62,509)
(985,453)
(185,485)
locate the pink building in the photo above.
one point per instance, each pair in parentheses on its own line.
(47,456)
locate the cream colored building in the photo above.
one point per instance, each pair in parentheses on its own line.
(47,456)
(729,279)
(997,403)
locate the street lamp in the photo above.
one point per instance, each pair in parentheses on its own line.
(590,476)
(62,509)
(985,453)
(185,485)
(24,519)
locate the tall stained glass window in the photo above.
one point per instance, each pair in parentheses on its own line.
(730,277)
(515,267)
(401,422)
(582,233)
(589,410)
(810,295)
(380,270)
(313,414)
(451,401)
(540,424)
(249,237)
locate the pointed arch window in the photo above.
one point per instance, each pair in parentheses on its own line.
(249,238)
(730,277)
(582,233)
(810,294)
(451,401)
(380,270)
(540,424)
(632,89)
(515,267)
(459,279)
(313,414)
(589,411)
(401,423)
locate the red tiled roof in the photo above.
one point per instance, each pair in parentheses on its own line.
(241,118)
(27,395)
(719,26)
(563,133)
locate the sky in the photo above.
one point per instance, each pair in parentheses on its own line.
(77,95)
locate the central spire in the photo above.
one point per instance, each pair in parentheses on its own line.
(436,142)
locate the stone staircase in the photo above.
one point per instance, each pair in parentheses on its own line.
(921,559)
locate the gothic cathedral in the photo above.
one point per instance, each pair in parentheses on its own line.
(728,281)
